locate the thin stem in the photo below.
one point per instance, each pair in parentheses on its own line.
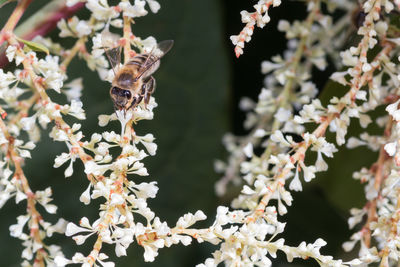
(19,175)
(119,189)
(106,221)
(26,105)
(281,176)
(14,18)
(127,38)
(283,98)
(78,47)
(73,52)
(379,177)
(46,18)
(393,234)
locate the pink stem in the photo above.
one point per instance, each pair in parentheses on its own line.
(51,22)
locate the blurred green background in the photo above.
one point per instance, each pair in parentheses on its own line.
(199,85)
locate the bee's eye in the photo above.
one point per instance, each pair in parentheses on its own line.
(127,94)
(114,90)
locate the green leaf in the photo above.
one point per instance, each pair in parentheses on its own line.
(34,46)
(4,2)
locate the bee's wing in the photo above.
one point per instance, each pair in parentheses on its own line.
(165,46)
(154,56)
(114,56)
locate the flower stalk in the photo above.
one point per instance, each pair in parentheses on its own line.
(14,19)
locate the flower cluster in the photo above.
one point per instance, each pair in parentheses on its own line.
(27,107)
(288,86)
(248,232)
(259,17)
(288,102)
(24,106)
(15,150)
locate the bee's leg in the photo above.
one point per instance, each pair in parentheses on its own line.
(150,87)
(139,99)
(143,90)
(134,102)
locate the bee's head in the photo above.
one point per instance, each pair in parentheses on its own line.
(122,98)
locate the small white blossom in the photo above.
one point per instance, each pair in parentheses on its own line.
(136,10)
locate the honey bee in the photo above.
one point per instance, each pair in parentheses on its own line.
(133,82)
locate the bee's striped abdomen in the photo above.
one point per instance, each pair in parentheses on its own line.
(147,64)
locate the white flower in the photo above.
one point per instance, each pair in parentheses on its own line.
(6,78)
(59,227)
(10,52)
(278,137)
(73,229)
(64,29)
(136,10)
(144,190)
(54,80)
(24,153)
(268,66)
(150,252)
(75,89)
(148,44)
(61,159)
(283,115)
(247,190)
(16,230)
(69,170)
(393,110)
(101,10)
(28,122)
(295,184)
(309,172)
(248,150)
(19,196)
(260,133)
(154,5)
(124,116)
(150,147)
(83,28)
(120,250)
(348,59)
(44,198)
(3,139)
(283,25)
(76,110)
(61,261)
(85,196)
(391,148)
(104,119)
(320,164)
(111,137)
(92,168)
(116,199)
(366,67)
